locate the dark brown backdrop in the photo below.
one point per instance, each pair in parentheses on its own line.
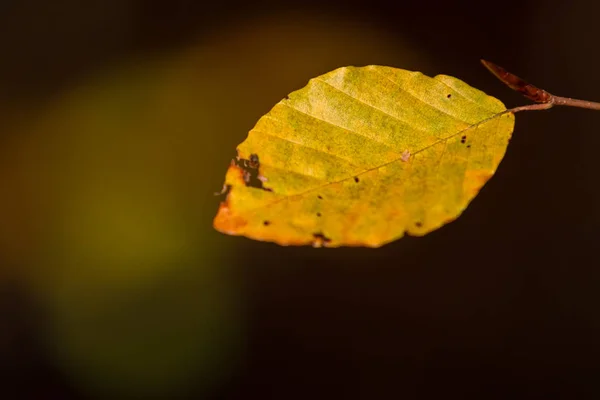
(501,303)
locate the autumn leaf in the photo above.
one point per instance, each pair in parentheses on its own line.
(361,156)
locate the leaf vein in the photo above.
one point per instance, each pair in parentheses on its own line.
(377,109)
(305,146)
(466,97)
(300,173)
(421,100)
(341,127)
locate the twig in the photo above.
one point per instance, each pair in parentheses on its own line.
(544,99)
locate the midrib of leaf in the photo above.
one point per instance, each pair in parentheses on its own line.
(399,159)
(497,115)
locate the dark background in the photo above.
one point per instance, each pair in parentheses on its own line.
(501,303)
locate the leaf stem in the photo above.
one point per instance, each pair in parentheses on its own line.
(532,107)
(558,101)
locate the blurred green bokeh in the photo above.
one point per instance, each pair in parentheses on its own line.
(112,199)
(138,293)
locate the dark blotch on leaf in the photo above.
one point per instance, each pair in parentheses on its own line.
(463,139)
(250,168)
(419,224)
(253,162)
(320,197)
(449,95)
(468,146)
(318,214)
(356,179)
(266,223)
(320,236)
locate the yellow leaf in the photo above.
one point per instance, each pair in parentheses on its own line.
(362,155)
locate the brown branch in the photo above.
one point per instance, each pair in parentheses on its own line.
(544,99)
(565,101)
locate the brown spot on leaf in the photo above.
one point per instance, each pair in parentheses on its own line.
(356,179)
(320,239)
(247,178)
(253,161)
(449,95)
(419,224)
(250,168)
(320,197)
(266,223)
